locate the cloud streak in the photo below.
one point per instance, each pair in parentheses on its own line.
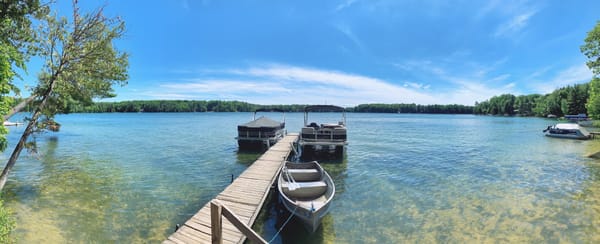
(284,84)
(466,82)
(573,75)
(514,25)
(344,4)
(277,84)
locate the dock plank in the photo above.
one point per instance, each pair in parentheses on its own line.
(245,197)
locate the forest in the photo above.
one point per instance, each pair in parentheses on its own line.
(237,106)
(562,101)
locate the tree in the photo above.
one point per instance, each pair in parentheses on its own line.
(16,45)
(591,49)
(16,39)
(81,65)
(593,103)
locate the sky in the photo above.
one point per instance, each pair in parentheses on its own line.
(347,52)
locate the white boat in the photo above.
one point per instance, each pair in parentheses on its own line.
(306,190)
(331,137)
(567,130)
(8,123)
(262,132)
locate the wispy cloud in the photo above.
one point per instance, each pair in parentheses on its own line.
(468,91)
(500,78)
(416,85)
(573,75)
(344,4)
(360,87)
(231,86)
(348,33)
(277,84)
(514,25)
(466,82)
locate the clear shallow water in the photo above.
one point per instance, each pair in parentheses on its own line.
(430,178)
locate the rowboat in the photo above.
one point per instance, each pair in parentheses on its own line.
(306,191)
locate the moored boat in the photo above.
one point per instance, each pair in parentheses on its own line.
(306,191)
(262,132)
(328,137)
(567,130)
(580,119)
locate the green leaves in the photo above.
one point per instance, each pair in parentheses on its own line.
(82,63)
(591,49)
(593,103)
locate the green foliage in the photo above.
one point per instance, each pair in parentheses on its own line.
(81,62)
(16,34)
(566,100)
(16,44)
(7,224)
(413,108)
(593,103)
(6,75)
(591,49)
(237,106)
(175,106)
(81,65)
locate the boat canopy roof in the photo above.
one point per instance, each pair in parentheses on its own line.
(567,126)
(575,116)
(323,108)
(262,122)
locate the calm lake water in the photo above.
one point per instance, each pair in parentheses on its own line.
(130,178)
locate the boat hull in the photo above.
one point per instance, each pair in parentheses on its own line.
(568,131)
(577,137)
(306,191)
(310,220)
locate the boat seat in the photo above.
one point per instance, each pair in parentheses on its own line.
(308,130)
(304,174)
(311,189)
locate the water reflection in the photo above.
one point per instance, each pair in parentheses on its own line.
(274,215)
(78,191)
(245,157)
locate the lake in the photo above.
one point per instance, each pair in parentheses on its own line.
(130,178)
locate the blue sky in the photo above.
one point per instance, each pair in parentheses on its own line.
(351,51)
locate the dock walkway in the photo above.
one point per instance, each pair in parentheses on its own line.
(245,197)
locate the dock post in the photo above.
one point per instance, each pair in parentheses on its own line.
(255,181)
(215,223)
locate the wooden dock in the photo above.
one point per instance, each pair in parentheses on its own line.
(245,197)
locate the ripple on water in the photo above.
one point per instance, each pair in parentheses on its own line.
(406,178)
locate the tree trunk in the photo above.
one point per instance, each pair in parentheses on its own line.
(15,154)
(19,107)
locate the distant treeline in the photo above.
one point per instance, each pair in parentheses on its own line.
(562,101)
(237,106)
(413,108)
(177,106)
